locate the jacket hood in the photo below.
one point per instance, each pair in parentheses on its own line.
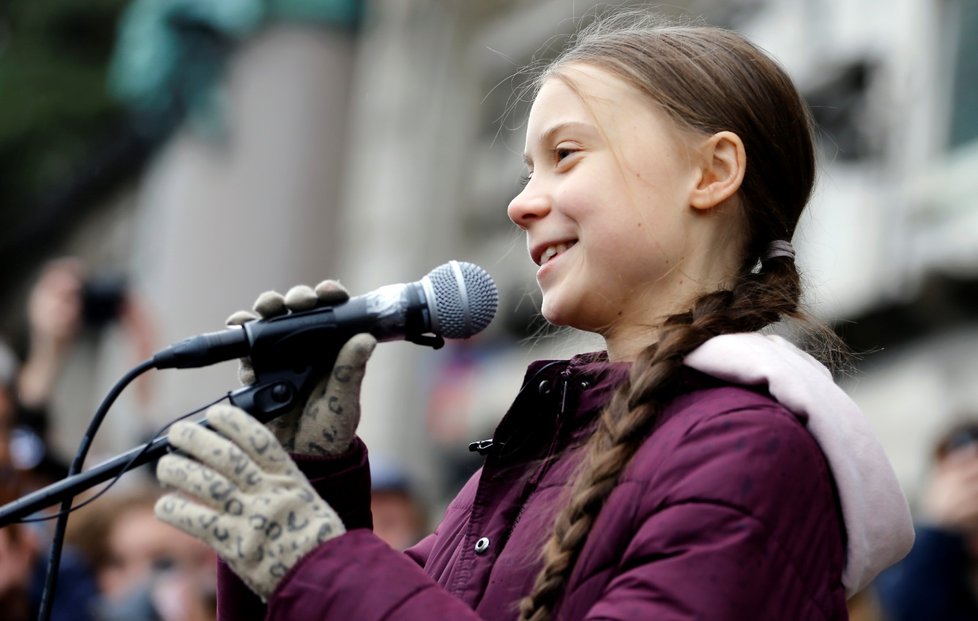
(877,517)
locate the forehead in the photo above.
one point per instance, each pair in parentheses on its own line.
(577,90)
(584,94)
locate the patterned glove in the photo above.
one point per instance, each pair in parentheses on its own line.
(239,492)
(327,422)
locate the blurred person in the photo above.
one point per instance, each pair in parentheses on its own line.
(467,386)
(67,299)
(18,553)
(145,570)
(9,365)
(864,606)
(54,318)
(64,300)
(23,565)
(27,464)
(19,548)
(398,511)
(696,468)
(26,387)
(67,303)
(25,456)
(938,580)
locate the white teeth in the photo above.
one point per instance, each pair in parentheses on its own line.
(552,251)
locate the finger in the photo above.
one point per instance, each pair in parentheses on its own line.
(196,481)
(195,520)
(351,364)
(300,298)
(219,453)
(270,304)
(251,436)
(331,292)
(354,354)
(333,408)
(240,317)
(342,391)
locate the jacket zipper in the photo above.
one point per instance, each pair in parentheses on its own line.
(535,480)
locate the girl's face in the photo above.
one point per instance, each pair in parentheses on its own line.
(607,208)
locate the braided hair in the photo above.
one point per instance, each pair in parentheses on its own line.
(707,80)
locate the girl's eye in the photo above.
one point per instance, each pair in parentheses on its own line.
(524,179)
(561,153)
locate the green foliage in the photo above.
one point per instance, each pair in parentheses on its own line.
(53,96)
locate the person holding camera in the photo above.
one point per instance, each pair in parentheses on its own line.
(938,579)
(54,317)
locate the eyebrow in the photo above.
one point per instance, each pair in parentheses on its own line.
(554,130)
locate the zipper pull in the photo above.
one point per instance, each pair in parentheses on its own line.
(563,391)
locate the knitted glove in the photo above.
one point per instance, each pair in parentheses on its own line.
(327,422)
(239,492)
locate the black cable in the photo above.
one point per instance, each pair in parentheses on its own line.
(54,558)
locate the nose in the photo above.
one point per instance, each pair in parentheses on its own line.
(528,206)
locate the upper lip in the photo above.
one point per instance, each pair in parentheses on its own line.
(537,250)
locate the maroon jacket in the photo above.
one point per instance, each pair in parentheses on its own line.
(728,511)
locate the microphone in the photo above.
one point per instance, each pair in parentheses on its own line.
(455,300)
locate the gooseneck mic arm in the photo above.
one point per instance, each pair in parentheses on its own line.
(264,400)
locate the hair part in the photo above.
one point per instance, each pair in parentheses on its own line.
(707,80)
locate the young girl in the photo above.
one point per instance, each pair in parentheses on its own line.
(697,469)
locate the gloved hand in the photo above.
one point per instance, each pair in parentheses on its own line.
(327,422)
(239,492)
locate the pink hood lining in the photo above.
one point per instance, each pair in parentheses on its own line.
(878,522)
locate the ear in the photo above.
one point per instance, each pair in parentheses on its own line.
(723,162)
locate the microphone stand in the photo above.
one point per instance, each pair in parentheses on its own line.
(273,394)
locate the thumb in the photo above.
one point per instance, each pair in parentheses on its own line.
(351,364)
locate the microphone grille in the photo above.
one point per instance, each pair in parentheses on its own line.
(464,299)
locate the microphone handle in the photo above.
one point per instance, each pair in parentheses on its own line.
(389,313)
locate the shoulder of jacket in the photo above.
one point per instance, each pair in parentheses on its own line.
(697,426)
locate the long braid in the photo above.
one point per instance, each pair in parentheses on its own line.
(756,301)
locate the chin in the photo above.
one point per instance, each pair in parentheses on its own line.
(551,312)
(558,314)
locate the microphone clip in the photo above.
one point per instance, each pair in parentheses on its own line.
(434,341)
(275,392)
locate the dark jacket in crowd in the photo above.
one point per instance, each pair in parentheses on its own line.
(934,581)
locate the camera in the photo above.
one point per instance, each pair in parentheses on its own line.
(103,297)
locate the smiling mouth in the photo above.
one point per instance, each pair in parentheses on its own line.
(552,251)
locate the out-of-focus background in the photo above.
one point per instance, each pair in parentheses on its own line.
(201,151)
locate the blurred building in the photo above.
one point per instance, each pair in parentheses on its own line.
(374,148)
(891,242)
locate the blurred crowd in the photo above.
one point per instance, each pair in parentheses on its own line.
(119,561)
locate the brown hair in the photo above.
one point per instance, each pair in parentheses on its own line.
(707,80)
